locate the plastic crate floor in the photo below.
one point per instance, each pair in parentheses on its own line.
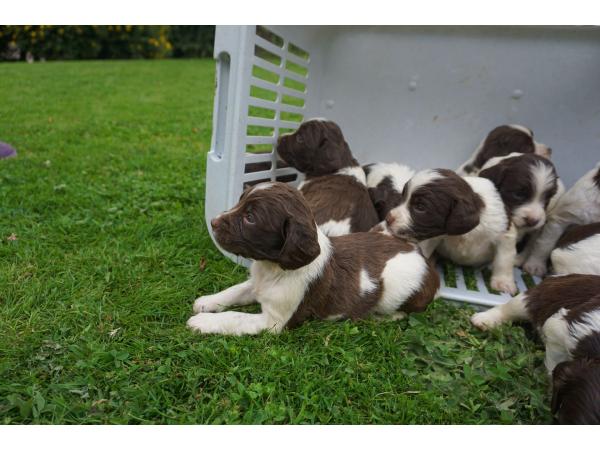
(478,294)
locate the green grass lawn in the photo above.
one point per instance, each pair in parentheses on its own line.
(106,202)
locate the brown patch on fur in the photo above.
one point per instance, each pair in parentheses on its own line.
(338,197)
(576,392)
(578,233)
(278,218)
(385,197)
(423,297)
(337,290)
(503,141)
(553,293)
(447,205)
(512,177)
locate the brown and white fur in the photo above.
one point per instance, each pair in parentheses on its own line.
(298,273)
(385,182)
(462,218)
(580,205)
(502,141)
(335,185)
(578,251)
(566,312)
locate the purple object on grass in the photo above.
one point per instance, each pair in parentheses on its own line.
(6,151)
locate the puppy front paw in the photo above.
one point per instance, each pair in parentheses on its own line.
(504,284)
(486,320)
(534,267)
(207,304)
(520,259)
(203,323)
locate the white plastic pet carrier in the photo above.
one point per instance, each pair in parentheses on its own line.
(422,96)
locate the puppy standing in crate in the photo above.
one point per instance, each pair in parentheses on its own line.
(298,273)
(335,185)
(566,313)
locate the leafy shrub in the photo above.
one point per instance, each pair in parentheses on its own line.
(192,41)
(104,41)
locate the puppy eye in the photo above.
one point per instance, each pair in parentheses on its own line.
(249,218)
(520,195)
(419,207)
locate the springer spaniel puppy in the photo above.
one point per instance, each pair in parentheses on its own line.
(335,185)
(527,184)
(462,218)
(566,312)
(298,273)
(578,251)
(385,182)
(502,141)
(580,205)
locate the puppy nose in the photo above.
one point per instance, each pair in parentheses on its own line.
(389,219)
(532,221)
(214,223)
(549,151)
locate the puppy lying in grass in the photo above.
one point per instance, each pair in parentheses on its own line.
(566,313)
(298,273)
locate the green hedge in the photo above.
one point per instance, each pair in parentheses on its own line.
(54,42)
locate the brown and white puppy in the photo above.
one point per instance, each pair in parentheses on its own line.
(527,184)
(298,273)
(335,185)
(385,182)
(580,205)
(566,312)
(462,218)
(502,141)
(578,251)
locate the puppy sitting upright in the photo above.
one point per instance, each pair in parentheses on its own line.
(335,185)
(298,273)
(580,205)
(502,141)
(463,218)
(527,184)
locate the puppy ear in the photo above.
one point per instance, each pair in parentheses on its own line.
(464,215)
(301,244)
(495,174)
(378,198)
(560,376)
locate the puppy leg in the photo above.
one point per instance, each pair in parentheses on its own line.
(524,254)
(555,334)
(543,246)
(232,323)
(240,294)
(504,260)
(514,309)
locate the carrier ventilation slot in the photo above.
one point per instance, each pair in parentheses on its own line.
(279,84)
(472,285)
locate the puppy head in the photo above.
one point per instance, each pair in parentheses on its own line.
(526,184)
(435,203)
(506,139)
(316,148)
(576,392)
(385,182)
(271,222)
